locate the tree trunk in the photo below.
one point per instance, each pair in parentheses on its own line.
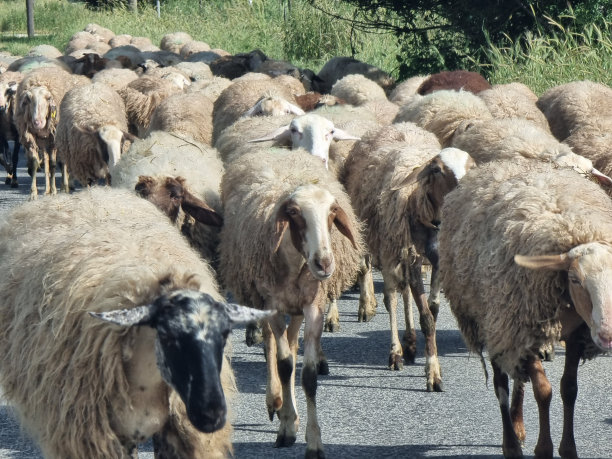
(30,17)
(133,6)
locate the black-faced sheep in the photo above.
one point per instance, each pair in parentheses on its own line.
(8,130)
(92,132)
(290,240)
(525,259)
(457,80)
(39,96)
(154,364)
(407,177)
(234,66)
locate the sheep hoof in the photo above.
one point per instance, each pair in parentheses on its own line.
(332,327)
(409,350)
(314,454)
(271,414)
(365,316)
(283,441)
(7,181)
(14,184)
(395,362)
(435,386)
(323,367)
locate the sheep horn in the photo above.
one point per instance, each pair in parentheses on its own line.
(239,314)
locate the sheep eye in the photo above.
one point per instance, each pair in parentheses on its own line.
(574,280)
(291,212)
(436,169)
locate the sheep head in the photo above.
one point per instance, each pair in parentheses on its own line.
(309,213)
(311,132)
(39,106)
(192,329)
(170,194)
(273,106)
(7,92)
(589,270)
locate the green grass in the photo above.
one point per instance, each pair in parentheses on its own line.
(302,34)
(544,60)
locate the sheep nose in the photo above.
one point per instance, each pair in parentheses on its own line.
(324,264)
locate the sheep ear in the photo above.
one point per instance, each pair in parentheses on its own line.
(282,133)
(343,224)
(140,315)
(603,179)
(295,110)
(199,210)
(253,111)
(239,315)
(551,262)
(280,226)
(144,185)
(339,134)
(12,88)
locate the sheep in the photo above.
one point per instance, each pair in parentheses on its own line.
(575,104)
(338,67)
(514,100)
(92,132)
(404,91)
(407,177)
(141,98)
(518,138)
(115,78)
(152,166)
(455,79)
(442,111)
(234,66)
(89,386)
(48,51)
(85,40)
(192,47)
(185,114)
(207,57)
(266,197)
(195,70)
(8,130)
(358,90)
(36,116)
(96,29)
(525,260)
(120,40)
(210,88)
(88,63)
(241,96)
(173,42)
(29,63)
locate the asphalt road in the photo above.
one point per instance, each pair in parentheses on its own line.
(368,411)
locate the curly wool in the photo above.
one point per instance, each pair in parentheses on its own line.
(85,110)
(64,371)
(252,190)
(502,209)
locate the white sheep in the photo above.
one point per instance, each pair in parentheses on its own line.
(115,78)
(290,240)
(39,96)
(85,387)
(92,133)
(525,259)
(397,178)
(192,47)
(173,42)
(442,111)
(177,173)
(404,91)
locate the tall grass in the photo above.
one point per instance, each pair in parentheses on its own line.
(542,60)
(291,30)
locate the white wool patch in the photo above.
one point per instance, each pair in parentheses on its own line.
(455,160)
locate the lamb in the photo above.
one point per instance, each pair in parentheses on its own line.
(455,79)
(518,138)
(572,105)
(38,97)
(338,67)
(525,260)
(92,132)
(241,96)
(185,114)
(266,197)
(514,100)
(141,98)
(167,167)
(407,177)
(88,386)
(8,130)
(442,111)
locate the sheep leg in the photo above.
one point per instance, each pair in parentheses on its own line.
(428,327)
(390,300)
(434,291)
(312,342)
(52,164)
(516,409)
(542,391)
(574,349)
(15,160)
(65,179)
(367,298)
(410,341)
(33,166)
(511,445)
(274,397)
(332,320)
(285,361)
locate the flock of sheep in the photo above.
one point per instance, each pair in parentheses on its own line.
(246,177)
